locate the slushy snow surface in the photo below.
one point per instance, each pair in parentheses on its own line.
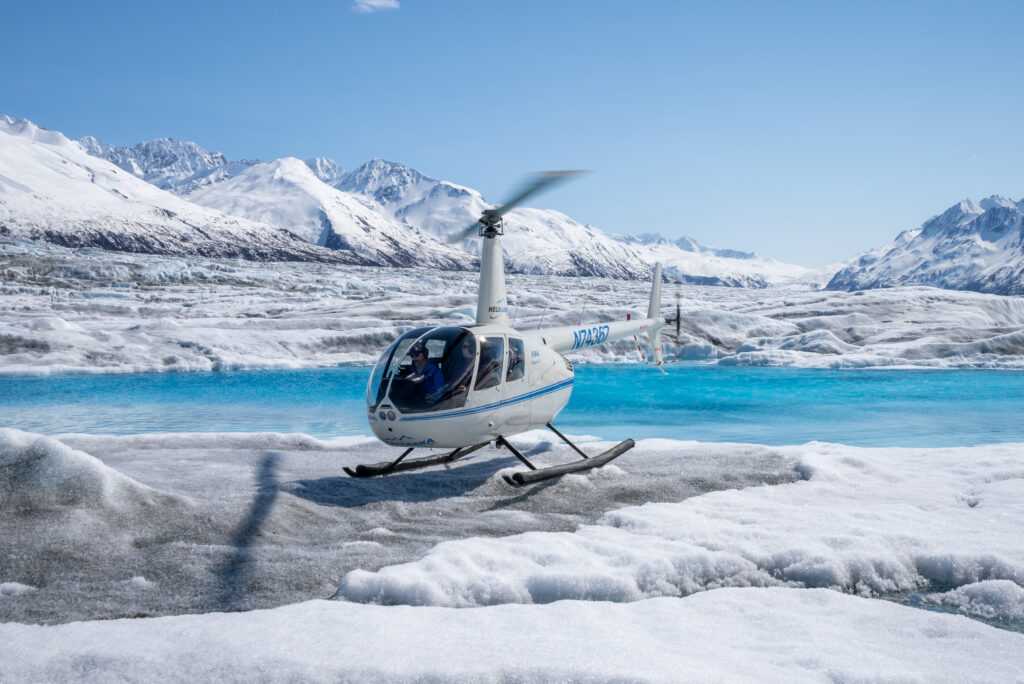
(681,560)
(214,556)
(94,311)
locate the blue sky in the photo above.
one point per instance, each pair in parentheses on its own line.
(804,131)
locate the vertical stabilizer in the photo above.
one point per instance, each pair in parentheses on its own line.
(654,311)
(492,303)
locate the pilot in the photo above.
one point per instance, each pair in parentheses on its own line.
(433,381)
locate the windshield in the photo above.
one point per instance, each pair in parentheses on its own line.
(378,379)
(433,373)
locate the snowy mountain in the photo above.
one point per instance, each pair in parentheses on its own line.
(546,241)
(51,189)
(327,170)
(971,246)
(535,240)
(287,193)
(178,166)
(405,194)
(687,261)
(380,195)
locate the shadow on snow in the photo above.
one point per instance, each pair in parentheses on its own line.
(410,487)
(233,578)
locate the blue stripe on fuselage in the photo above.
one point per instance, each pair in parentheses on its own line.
(496,405)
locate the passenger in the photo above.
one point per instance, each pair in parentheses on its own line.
(487,375)
(433,381)
(462,366)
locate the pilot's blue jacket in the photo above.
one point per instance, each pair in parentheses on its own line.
(433,382)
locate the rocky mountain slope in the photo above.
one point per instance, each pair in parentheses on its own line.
(976,246)
(385,193)
(286,193)
(51,189)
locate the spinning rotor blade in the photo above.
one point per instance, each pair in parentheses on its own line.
(539,182)
(466,233)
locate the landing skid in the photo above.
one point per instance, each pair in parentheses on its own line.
(399,464)
(535,474)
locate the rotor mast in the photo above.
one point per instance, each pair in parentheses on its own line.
(492,302)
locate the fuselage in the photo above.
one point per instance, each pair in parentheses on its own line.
(457,386)
(509,382)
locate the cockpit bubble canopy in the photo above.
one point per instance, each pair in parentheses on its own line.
(437,380)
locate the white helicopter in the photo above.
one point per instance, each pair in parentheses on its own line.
(463,387)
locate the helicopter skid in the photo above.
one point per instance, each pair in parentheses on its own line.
(540,474)
(388,467)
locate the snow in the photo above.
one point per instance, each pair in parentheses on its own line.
(880,536)
(728,635)
(88,311)
(992,599)
(688,261)
(174,165)
(251,556)
(286,193)
(399,205)
(86,194)
(14,589)
(682,560)
(970,246)
(51,189)
(215,554)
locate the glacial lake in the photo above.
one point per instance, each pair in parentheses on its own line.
(772,406)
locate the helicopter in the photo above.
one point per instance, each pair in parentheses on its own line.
(464,387)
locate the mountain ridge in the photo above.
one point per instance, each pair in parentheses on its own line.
(536,241)
(387,213)
(976,246)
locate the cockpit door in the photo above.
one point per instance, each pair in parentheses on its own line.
(516,413)
(490,373)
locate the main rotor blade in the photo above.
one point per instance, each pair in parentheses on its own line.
(540,182)
(465,233)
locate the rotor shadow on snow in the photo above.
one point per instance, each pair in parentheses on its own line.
(233,578)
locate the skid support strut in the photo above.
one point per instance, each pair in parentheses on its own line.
(535,474)
(399,464)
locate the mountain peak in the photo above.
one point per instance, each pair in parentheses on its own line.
(180,166)
(327,170)
(380,171)
(26,129)
(383,180)
(961,213)
(970,246)
(997,201)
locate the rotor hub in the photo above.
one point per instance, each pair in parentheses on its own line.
(491,224)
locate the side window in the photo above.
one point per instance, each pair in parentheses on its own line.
(516,359)
(492,356)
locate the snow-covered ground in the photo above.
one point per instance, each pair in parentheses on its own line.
(252,556)
(97,311)
(681,561)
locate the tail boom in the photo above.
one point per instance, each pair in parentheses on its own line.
(573,338)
